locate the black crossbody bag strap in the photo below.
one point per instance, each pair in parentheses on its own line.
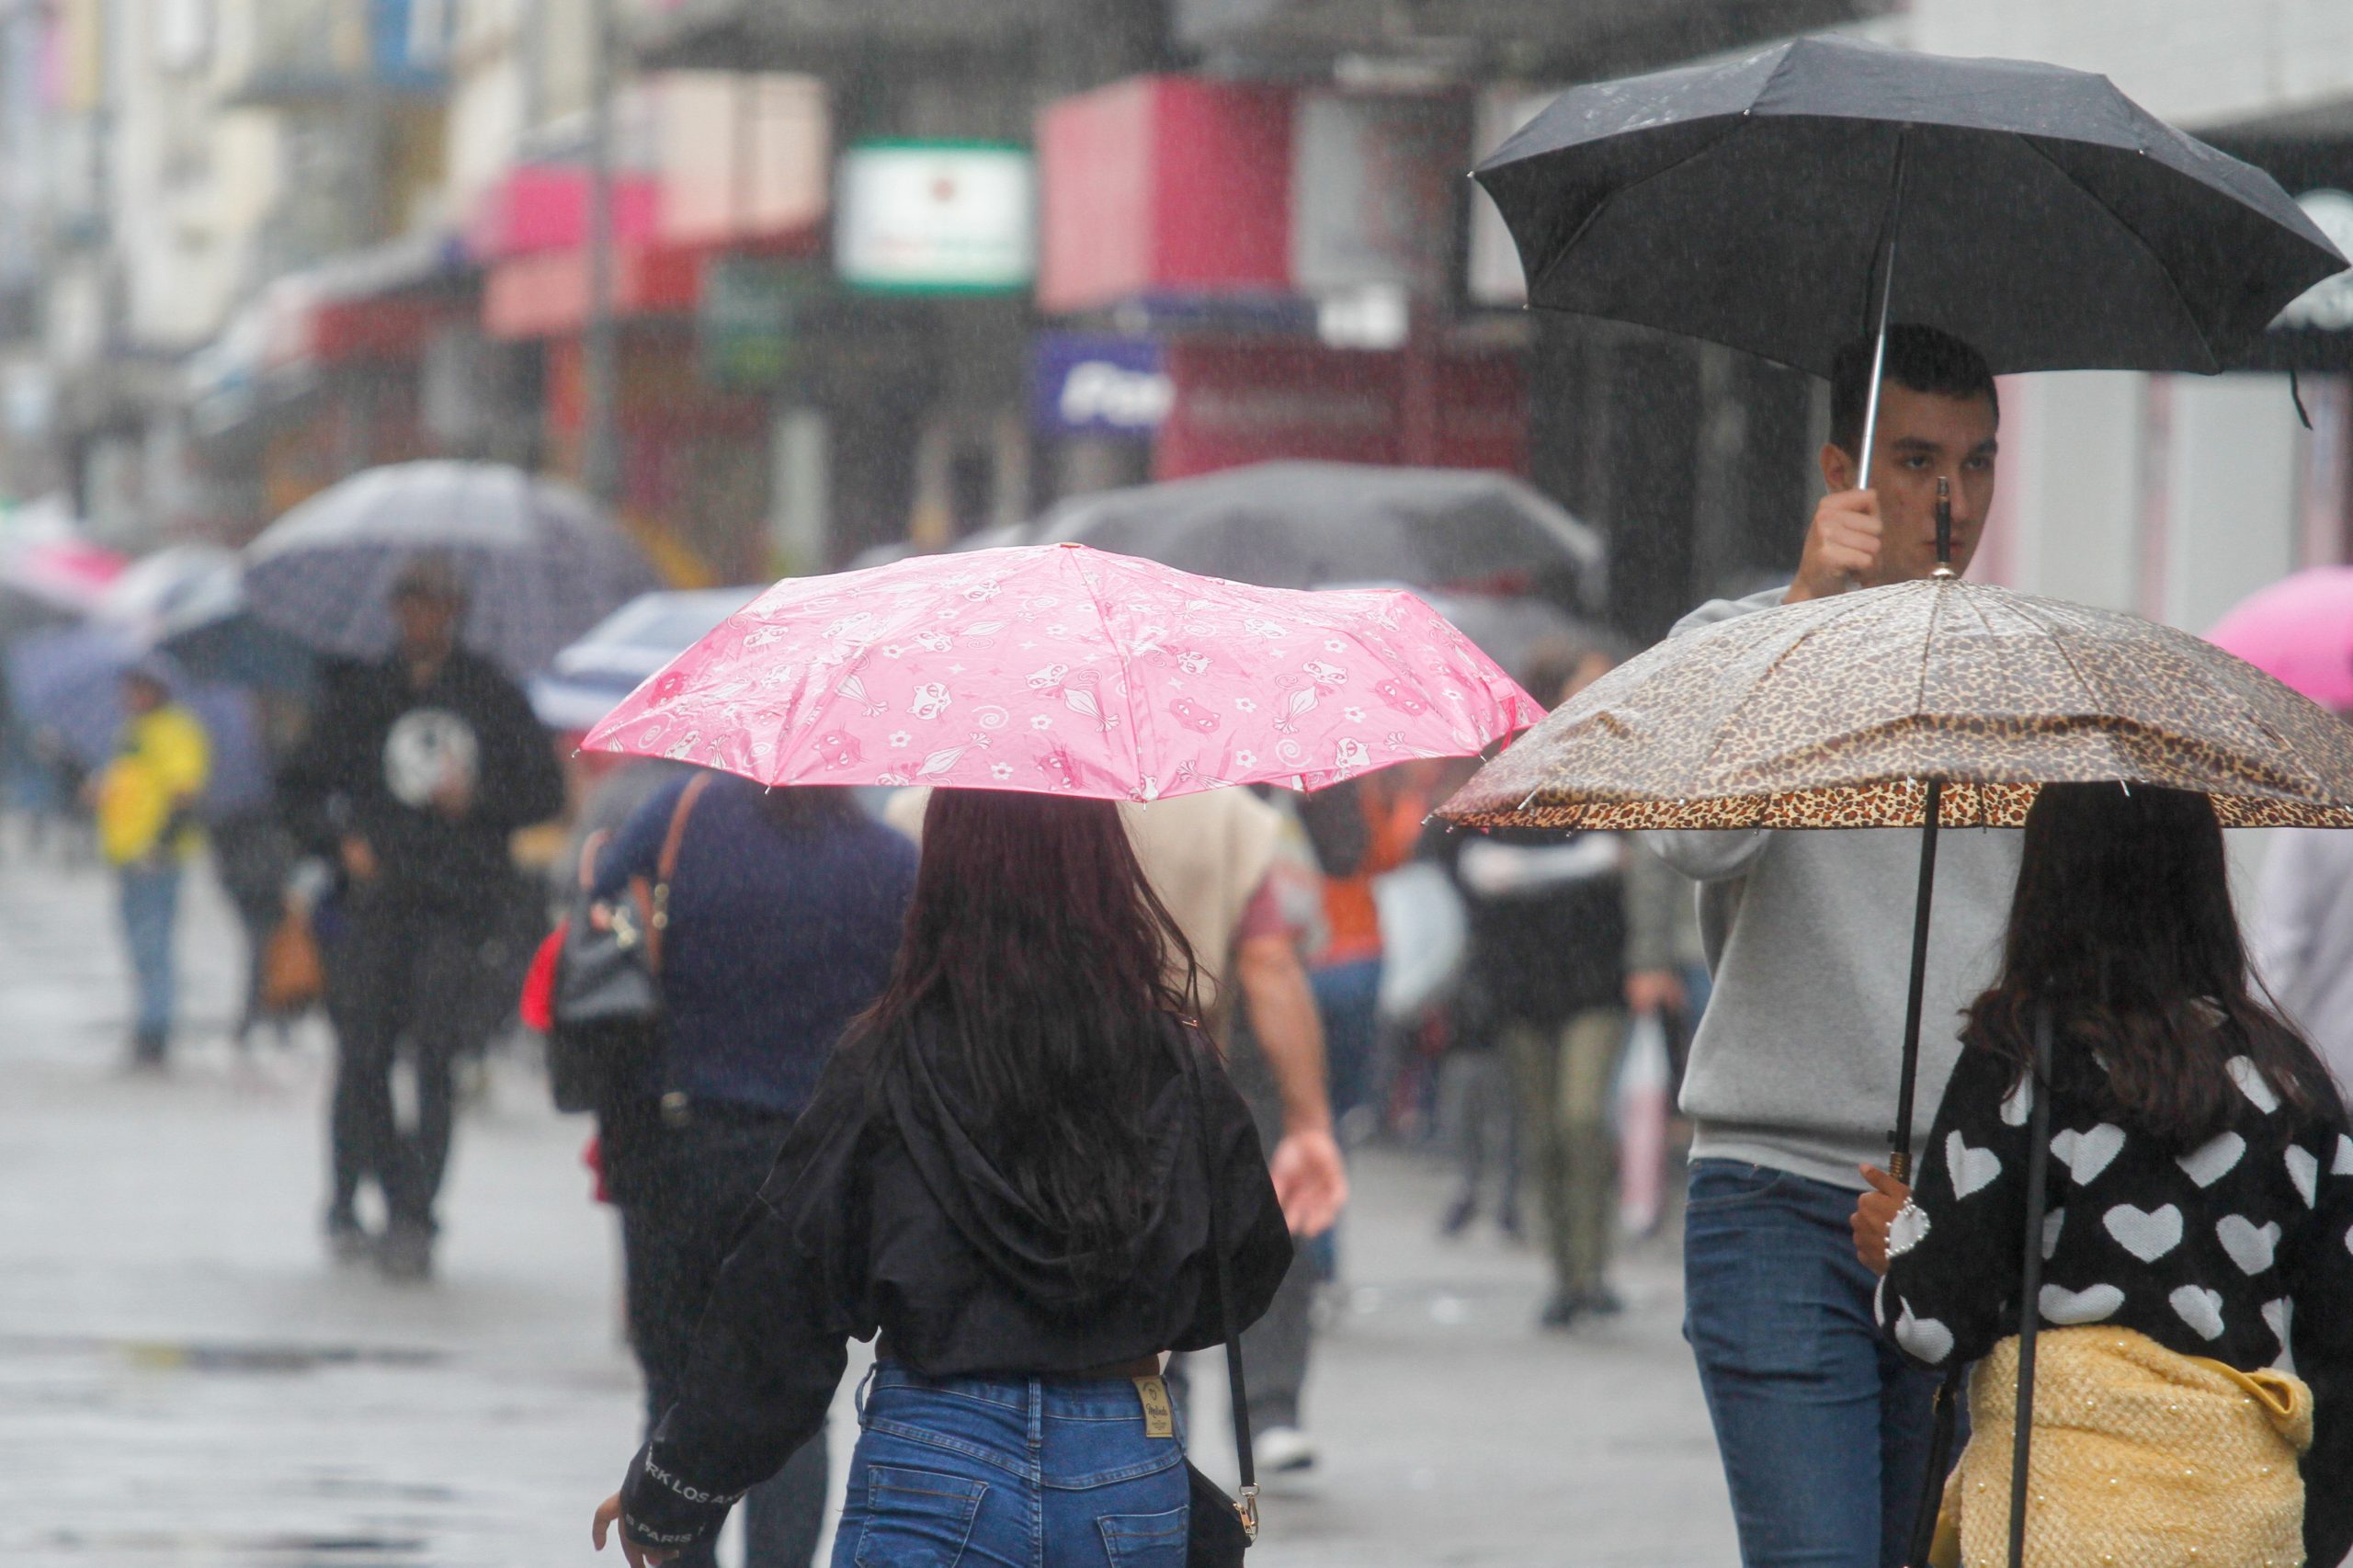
(1246,1506)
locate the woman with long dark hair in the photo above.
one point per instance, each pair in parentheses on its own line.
(2195,1229)
(1002,1172)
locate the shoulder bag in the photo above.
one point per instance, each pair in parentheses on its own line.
(608,1006)
(1219,1529)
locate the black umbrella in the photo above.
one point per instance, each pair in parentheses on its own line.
(1307,525)
(1788,202)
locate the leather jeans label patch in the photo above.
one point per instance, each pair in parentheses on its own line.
(1159,1419)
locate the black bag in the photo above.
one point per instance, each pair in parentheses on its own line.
(1219,1528)
(608,1006)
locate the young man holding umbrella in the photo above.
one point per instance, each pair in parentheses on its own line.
(1824,1428)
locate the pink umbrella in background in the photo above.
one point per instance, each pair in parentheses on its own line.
(2299,631)
(1058,668)
(68,574)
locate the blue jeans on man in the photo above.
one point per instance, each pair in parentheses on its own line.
(149,891)
(1823,1426)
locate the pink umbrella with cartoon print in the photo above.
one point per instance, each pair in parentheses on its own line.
(1058,668)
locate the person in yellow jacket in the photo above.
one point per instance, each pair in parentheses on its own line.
(145,800)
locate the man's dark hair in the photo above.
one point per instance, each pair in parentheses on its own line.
(1921,357)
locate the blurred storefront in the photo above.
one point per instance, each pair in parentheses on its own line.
(1242,271)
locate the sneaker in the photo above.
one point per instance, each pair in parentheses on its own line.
(405,1255)
(1459,1215)
(1601,1301)
(1508,1223)
(348,1241)
(1281,1450)
(1561,1311)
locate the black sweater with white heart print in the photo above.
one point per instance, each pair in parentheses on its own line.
(2240,1249)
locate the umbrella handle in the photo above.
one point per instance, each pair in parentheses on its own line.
(1944,526)
(2038,1175)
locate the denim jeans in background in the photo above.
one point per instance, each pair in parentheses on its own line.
(1011,1475)
(1822,1424)
(151,901)
(1348,998)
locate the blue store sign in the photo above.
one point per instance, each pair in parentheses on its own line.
(1090,384)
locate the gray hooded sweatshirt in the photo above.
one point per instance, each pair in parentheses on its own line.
(1809,938)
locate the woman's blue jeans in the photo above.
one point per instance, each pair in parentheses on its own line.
(1013,1474)
(1823,1425)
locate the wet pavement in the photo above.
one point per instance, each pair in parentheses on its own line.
(185,1378)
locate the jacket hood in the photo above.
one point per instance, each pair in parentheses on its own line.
(931,1104)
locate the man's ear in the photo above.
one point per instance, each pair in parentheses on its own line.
(1838,467)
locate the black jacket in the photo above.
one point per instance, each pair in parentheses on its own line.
(884,1212)
(370,734)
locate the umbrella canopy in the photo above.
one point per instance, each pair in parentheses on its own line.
(582,684)
(1510,629)
(2035,212)
(1301,525)
(68,680)
(1835,712)
(542,563)
(1057,668)
(57,577)
(150,587)
(2301,631)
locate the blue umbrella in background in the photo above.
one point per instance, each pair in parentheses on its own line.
(188,601)
(67,681)
(582,684)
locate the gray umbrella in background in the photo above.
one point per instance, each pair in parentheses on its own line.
(1301,525)
(543,564)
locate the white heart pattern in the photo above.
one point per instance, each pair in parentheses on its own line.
(2250,1245)
(2147,1235)
(2052,1224)
(2252,1084)
(2213,1159)
(2303,1169)
(1906,1231)
(2277,1314)
(1925,1338)
(2067,1308)
(1970,1169)
(2343,1163)
(2019,1103)
(2199,1307)
(2086,1154)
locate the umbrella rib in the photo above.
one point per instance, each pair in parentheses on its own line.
(2213,360)
(1103,618)
(1838,611)
(2082,675)
(1562,253)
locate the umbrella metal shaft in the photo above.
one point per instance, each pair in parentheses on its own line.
(1899,1162)
(1886,297)
(2038,1175)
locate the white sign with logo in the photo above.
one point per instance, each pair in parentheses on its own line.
(936,218)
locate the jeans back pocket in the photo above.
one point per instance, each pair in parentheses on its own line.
(1146,1541)
(916,1518)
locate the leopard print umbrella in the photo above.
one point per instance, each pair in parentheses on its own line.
(1833,713)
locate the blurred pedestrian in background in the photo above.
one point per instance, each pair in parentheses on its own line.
(251,851)
(417,771)
(784,909)
(2213,1247)
(1006,1175)
(1360,829)
(1823,1427)
(1554,977)
(146,804)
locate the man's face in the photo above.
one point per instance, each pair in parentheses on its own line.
(1923,437)
(427,624)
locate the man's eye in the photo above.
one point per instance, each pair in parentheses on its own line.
(1982,463)
(1916,462)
